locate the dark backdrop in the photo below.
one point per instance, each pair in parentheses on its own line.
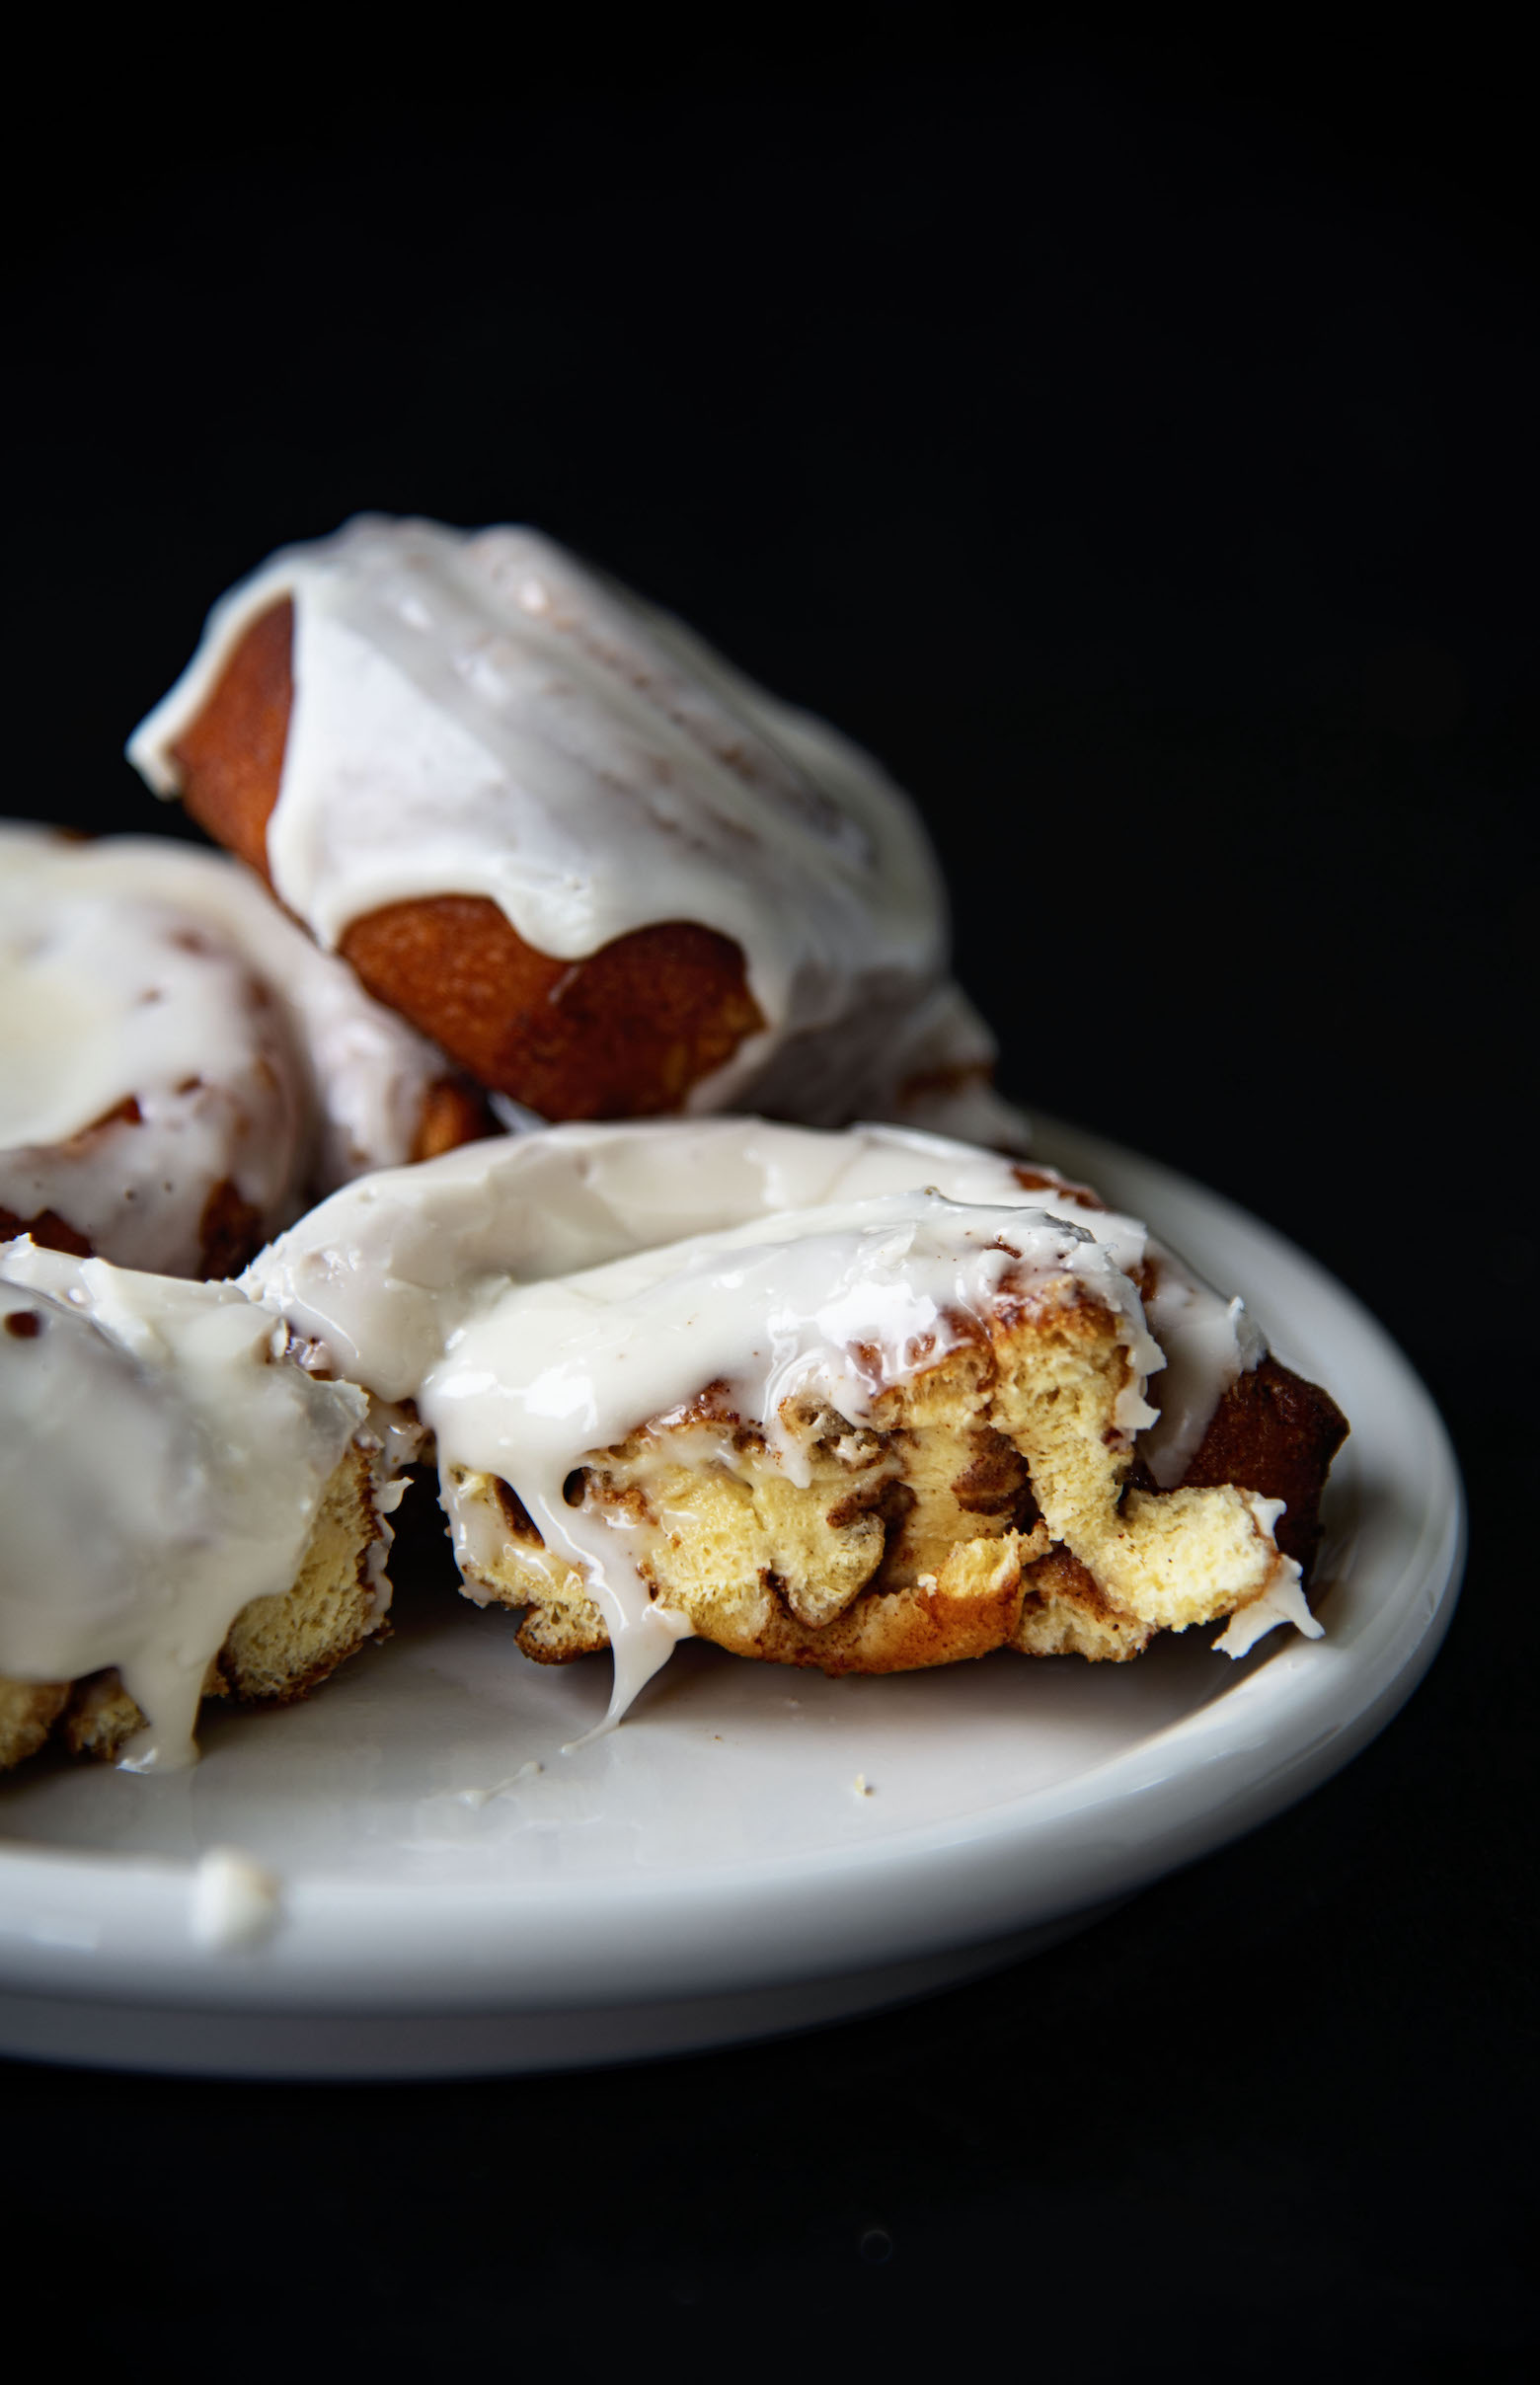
(1131,441)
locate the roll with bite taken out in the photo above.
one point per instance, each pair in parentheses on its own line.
(867,1401)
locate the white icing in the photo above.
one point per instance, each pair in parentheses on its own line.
(540,1298)
(382,1273)
(1282,1600)
(836,1302)
(234,1902)
(105,1001)
(138,969)
(1208,1344)
(534,734)
(159,1469)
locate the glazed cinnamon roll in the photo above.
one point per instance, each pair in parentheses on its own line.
(867,1401)
(606,873)
(184,1071)
(189,1511)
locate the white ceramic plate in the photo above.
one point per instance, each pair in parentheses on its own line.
(712,1871)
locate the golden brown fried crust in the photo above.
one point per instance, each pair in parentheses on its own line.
(1277,1434)
(29,1711)
(231,757)
(48,1230)
(229,1232)
(623,1034)
(454,1113)
(1037,1179)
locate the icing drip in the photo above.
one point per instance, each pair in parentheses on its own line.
(1208,1344)
(160,1467)
(1283,1601)
(538,735)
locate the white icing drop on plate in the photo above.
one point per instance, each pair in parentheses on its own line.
(234,1902)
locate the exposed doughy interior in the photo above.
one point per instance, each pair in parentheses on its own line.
(898,1528)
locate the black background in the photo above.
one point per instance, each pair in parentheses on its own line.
(1129,438)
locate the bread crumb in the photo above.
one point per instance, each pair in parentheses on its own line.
(861,1785)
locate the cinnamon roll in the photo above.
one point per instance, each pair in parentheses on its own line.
(604,871)
(866,1401)
(184,1071)
(189,1511)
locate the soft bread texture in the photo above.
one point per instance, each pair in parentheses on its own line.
(989,1500)
(624,1034)
(276,1649)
